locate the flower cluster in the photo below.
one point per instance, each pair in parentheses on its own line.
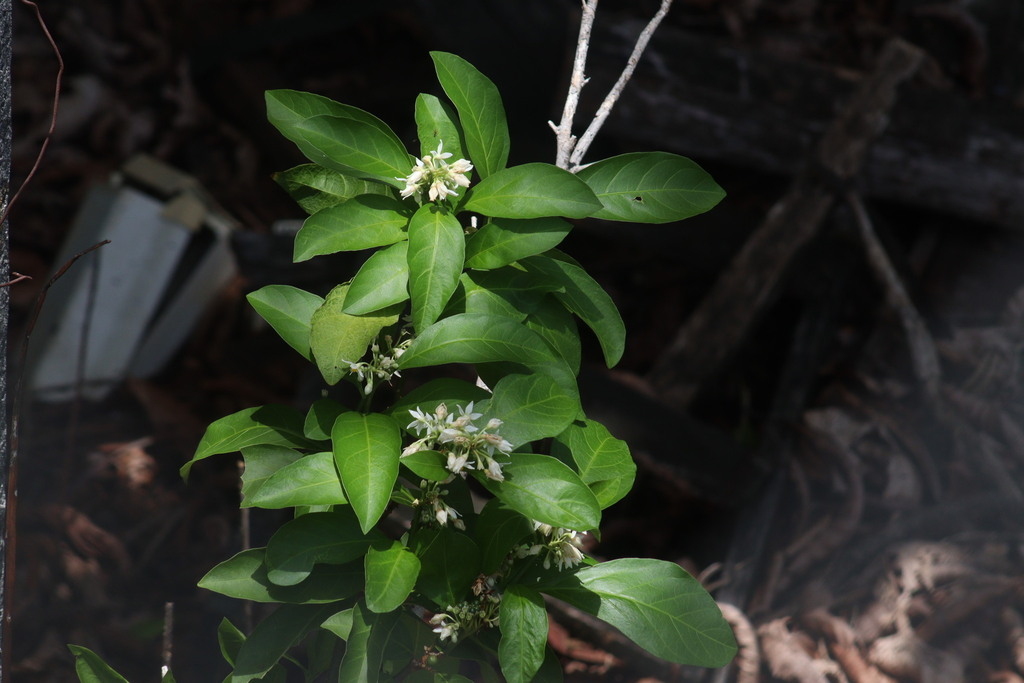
(467,446)
(432,507)
(469,617)
(433,174)
(383,365)
(561,546)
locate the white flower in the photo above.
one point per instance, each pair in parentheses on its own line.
(447,627)
(457,463)
(493,471)
(438,178)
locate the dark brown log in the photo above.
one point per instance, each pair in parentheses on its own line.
(750,282)
(696,96)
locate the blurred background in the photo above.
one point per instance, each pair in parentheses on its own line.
(822,383)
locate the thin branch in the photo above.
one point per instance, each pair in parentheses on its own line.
(18,277)
(563,131)
(53,116)
(581,147)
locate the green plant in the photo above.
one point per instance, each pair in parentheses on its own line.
(390,550)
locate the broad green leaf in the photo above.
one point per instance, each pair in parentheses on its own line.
(287,109)
(531,407)
(390,577)
(244,577)
(230,640)
(272,425)
(545,489)
(500,529)
(381,282)
(450,562)
(650,187)
(436,250)
(448,390)
(534,190)
(366,645)
(363,222)
(507,292)
(314,187)
(344,144)
(91,668)
(481,112)
(339,339)
(656,604)
(524,633)
(475,338)
(552,321)
(505,240)
(366,449)
(261,462)
(429,465)
(437,124)
(340,624)
(288,310)
(320,418)
(312,480)
(550,670)
(602,461)
(315,538)
(274,636)
(583,296)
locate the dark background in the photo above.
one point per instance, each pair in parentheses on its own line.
(108,533)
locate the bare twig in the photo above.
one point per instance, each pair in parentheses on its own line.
(53,115)
(18,277)
(605,109)
(924,356)
(168,640)
(563,131)
(571,151)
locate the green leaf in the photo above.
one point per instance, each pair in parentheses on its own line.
(390,577)
(450,562)
(427,397)
(230,640)
(436,123)
(320,418)
(366,449)
(312,480)
(505,240)
(272,425)
(557,326)
(650,187)
(340,624)
(314,187)
(261,462)
(602,461)
(315,538)
(287,109)
(345,144)
(532,191)
(545,489)
(481,112)
(381,282)
(338,339)
(436,250)
(274,636)
(507,292)
(550,670)
(524,633)
(583,296)
(244,577)
(429,465)
(92,669)
(531,407)
(500,529)
(366,645)
(656,604)
(364,222)
(288,310)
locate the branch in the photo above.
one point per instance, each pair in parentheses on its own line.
(580,148)
(566,141)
